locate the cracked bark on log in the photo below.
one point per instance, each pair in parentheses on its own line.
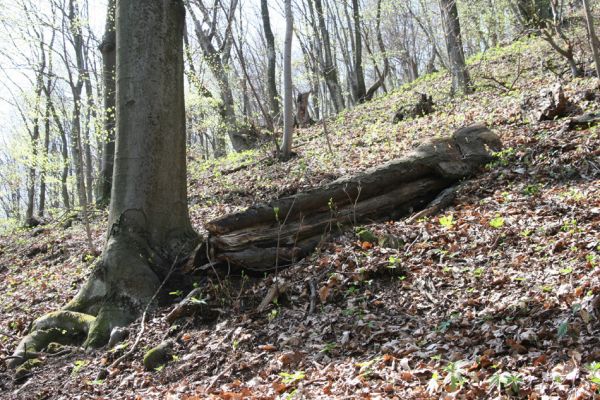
(276,234)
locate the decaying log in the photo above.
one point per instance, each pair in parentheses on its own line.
(549,104)
(422,107)
(303,118)
(283,231)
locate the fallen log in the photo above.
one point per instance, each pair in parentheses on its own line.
(273,235)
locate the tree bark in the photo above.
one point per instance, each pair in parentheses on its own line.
(288,110)
(108,50)
(271,61)
(593,38)
(380,82)
(360,90)
(148,220)
(217,60)
(278,233)
(329,69)
(461,82)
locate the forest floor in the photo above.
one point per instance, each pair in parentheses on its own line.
(496,296)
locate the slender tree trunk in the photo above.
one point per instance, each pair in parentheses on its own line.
(288,112)
(217,59)
(271,61)
(593,38)
(461,82)
(42,203)
(35,137)
(380,82)
(108,50)
(361,90)
(329,69)
(64,151)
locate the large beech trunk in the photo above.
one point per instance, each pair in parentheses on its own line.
(149,225)
(272,235)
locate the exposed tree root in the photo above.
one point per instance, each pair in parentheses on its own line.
(122,285)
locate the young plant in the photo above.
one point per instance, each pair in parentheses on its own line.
(447,221)
(455,375)
(507,381)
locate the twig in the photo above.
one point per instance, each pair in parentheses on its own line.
(104,372)
(226,370)
(8,335)
(313,295)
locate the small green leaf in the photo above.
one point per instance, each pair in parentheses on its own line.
(497,222)
(563,329)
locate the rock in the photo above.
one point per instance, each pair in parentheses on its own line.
(159,355)
(549,104)
(117,335)
(422,107)
(25,369)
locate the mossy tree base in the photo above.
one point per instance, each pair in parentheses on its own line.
(123,283)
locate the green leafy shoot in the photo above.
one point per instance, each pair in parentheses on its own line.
(497,222)
(447,221)
(290,379)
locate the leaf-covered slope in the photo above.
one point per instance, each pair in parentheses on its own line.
(496,296)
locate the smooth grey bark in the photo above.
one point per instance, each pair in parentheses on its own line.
(288,111)
(35,137)
(108,50)
(592,34)
(461,82)
(64,149)
(329,69)
(360,88)
(271,61)
(149,225)
(45,149)
(380,82)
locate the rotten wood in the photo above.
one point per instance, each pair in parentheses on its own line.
(279,233)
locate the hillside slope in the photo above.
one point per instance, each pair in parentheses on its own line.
(496,296)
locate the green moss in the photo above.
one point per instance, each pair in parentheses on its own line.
(54,347)
(158,356)
(74,322)
(108,318)
(24,370)
(366,235)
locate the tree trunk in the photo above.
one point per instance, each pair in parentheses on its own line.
(461,82)
(271,61)
(149,222)
(329,69)
(35,137)
(360,91)
(42,205)
(217,60)
(108,50)
(288,110)
(269,236)
(593,38)
(380,82)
